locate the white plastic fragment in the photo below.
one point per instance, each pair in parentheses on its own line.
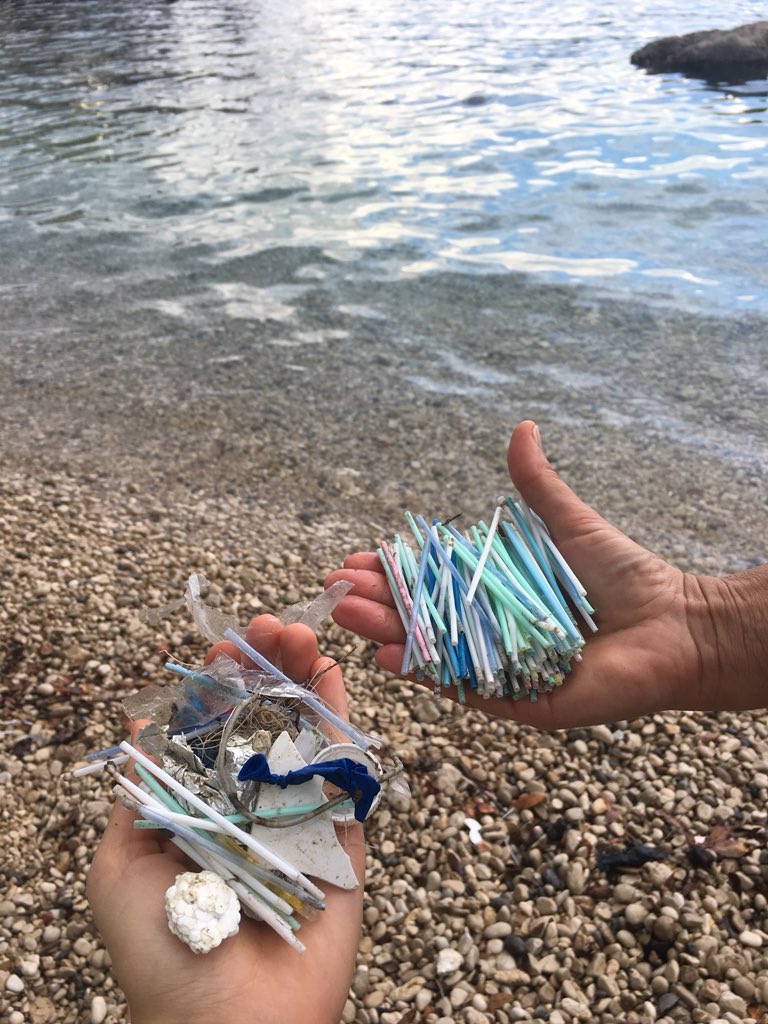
(475,830)
(313,846)
(202,910)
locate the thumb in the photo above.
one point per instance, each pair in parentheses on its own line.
(565,514)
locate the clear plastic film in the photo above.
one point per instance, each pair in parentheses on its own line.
(212,623)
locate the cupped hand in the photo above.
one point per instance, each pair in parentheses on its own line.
(646,654)
(253,977)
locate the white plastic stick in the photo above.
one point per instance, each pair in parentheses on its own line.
(242,837)
(484,554)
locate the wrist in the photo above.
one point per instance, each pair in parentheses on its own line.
(728,619)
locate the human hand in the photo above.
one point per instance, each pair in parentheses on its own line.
(655,645)
(254,976)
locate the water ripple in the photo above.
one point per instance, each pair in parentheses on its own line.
(367,128)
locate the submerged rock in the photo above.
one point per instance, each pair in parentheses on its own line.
(736,54)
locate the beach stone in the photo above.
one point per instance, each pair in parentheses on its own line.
(635,914)
(721,54)
(426,710)
(14,984)
(657,873)
(407,991)
(349,1013)
(710,990)
(731,1003)
(30,966)
(82,946)
(448,961)
(98,1010)
(459,996)
(625,893)
(667,1001)
(575,1009)
(665,928)
(743,987)
(450,779)
(602,734)
(434,881)
(575,878)
(752,939)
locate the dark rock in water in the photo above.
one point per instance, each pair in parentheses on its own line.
(732,55)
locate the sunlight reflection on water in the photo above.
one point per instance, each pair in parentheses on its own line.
(363,129)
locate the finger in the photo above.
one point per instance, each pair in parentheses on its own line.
(564,513)
(370,619)
(365,583)
(364,560)
(121,839)
(330,686)
(390,658)
(223,647)
(263,633)
(298,650)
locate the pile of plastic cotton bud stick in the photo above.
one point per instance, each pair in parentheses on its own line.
(489,609)
(250,772)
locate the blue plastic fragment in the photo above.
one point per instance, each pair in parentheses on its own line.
(344,773)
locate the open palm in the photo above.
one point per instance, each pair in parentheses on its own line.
(645,656)
(253,977)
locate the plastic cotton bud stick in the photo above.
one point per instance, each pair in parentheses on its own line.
(261,851)
(500,599)
(478,575)
(416,604)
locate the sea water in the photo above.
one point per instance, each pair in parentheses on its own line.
(450,188)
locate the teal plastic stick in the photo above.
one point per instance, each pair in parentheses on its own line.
(537,575)
(467,555)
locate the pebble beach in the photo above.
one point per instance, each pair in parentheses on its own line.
(524,925)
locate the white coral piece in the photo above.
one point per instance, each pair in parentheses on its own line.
(202,910)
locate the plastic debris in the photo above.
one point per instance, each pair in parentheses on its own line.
(489,609)
(202,910)
(313,846)
(344,773)
(243,768)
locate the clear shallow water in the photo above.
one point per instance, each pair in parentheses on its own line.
(154,140)
(223,223)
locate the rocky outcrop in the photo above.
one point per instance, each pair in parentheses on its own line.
(736,54)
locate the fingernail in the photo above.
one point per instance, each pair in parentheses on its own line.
(537,436)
